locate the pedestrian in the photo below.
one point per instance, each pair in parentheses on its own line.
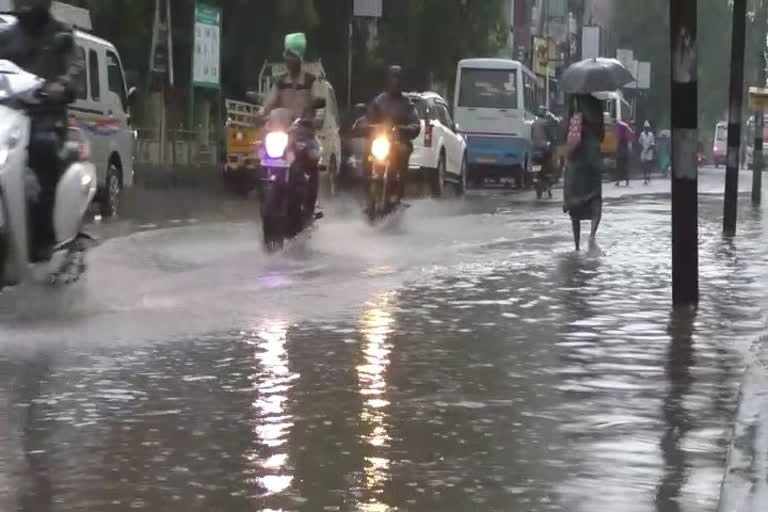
(647,151)
(583,187)
(623,151)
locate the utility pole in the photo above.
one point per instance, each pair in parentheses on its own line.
(757,153)
(684,102)
(738,43)
(350,42)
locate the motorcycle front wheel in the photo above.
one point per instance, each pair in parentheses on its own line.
(272,217)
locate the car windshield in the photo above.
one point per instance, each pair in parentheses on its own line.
(422,107)
(721,133)
(488,88)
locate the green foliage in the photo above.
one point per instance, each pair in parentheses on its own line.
(426,36)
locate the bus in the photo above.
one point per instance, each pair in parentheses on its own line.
(616,109)
(495,105)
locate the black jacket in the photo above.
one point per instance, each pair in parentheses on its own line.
(398,110)
(34,52)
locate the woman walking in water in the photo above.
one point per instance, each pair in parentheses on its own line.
(583,187)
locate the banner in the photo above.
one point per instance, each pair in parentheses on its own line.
(206,56)
(544,53)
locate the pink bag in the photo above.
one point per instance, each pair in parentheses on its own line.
(574,133)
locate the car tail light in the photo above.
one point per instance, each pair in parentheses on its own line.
(428,134)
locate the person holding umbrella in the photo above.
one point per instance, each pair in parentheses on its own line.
(582,195)
(583,187)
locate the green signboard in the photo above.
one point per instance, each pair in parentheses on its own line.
(206,56)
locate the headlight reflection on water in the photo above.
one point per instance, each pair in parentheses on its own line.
(272,382)
(377,326)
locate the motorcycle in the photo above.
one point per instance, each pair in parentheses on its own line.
(19,92)
(382,196)
(542,164)
(284,183)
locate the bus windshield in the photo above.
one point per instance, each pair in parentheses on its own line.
(488,88)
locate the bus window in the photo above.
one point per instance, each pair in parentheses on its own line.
(529,84)
(488,88)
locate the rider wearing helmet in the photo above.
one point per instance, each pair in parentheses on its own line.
(393,107)
(31,43)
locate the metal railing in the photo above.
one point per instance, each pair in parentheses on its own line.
(178,148)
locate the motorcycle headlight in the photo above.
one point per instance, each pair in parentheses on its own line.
(3,154)
(380,148)
(275,144)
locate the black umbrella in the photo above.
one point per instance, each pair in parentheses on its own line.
(594,75)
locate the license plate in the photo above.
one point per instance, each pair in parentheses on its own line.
(536,168)
(486,160)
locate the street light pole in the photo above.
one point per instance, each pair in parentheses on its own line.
(738,42)
(684,103)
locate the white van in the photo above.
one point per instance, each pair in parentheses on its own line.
(102,111)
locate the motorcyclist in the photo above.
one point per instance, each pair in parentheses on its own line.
(394,108)
(296,91)
(31,44)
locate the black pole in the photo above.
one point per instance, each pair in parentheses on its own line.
(757,153)
(757,159)
(738,43)
(684,87)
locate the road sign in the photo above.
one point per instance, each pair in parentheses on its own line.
(206,56)
(368,8)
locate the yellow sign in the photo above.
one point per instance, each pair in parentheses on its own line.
(758,98)
(544,54)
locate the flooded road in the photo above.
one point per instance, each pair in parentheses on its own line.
(462,359)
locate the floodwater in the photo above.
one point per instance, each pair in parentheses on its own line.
(461,359)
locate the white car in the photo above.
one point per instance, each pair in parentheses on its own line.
(440,150)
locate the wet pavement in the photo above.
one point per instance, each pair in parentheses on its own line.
(462,358)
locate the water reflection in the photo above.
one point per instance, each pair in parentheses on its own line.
(377,326)
(677,421)
(37,493)
(272,381)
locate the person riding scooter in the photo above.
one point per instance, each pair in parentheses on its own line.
(394,108)
(30,44)
(297,91)
(544,135)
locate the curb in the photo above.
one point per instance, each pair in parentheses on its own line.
(745,483)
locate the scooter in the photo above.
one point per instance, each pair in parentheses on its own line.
(382,197)
(542,180)
(20,91)
(284,184)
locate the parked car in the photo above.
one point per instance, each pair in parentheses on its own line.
(440,150)
(353,144)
